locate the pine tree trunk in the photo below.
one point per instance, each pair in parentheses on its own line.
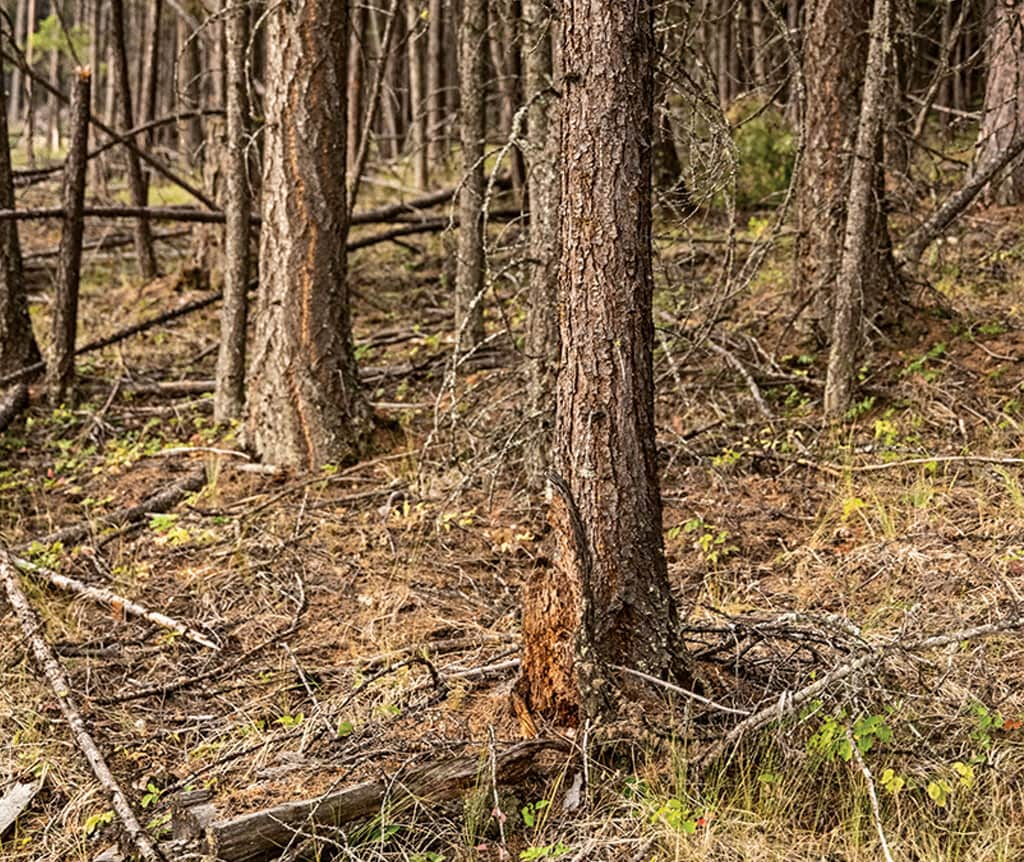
(859,256)
(305,408)
(136,180)
(356,75)
(18,347)
(30,88)
(1003,118)
(607,601)
(418,116)
(469,278)
(435,83)
(229,396)
(14,107)
(543,340)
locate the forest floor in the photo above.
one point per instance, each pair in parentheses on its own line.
(367,616)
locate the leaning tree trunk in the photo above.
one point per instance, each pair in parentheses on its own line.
(469,276)
(305,408)
(18,347)
(1003,120)
(229,397)
(136,180)
(542,339)
(607,602)
(860,255)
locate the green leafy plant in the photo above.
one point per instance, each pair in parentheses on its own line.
(547,851)
(531,810)
(712,542)
(95,821)
(151,796)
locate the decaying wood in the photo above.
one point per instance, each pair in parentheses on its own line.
(111,599)
(15,801)
(51,669)
(12,403)
(260,835)
(154,504)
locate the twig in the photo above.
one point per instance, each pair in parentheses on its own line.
(51,669)
(679,690)
(117,602)
(876,813)
(755,390)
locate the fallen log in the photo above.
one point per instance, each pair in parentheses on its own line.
(154,504)
(51,669)
(261,835)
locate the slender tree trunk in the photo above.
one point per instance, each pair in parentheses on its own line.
(14,108)
(543,339)
(61,365)
(189,81)
(859,252)
(504,16)
(356,75)
(305,408)
(435,83)
(469,278)
(137,183)
(30,87)
(18,347)
(1003,119)
(53,105)
(229,397)
(757,44)
(607,601)
(150,75)
(417,102)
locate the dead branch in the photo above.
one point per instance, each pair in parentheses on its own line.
(47,662)
(112,600)
(154,504)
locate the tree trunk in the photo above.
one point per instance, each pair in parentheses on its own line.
(30,87)
(859,255)
(136,181)
(435,83)
(61,365)
(229,397)
(53,105)
(305,408)
(1003,118)
(418,116)
(469,278)
(356,74)
(17,343)
(607,601)
(835,56)
(150,76)
(14,108)
(543,340)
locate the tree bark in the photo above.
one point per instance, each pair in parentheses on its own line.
(418,116)
(17,343)
(190,131)
(1003,118)
(14,107)
(543,340)
(305,408)
(356,74)
(137,183)
(859,256)
(607,601)
(30,108)
(229,397)
(61,368)
(469,277)
(435,83)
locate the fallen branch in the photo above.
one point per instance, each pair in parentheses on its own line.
(111,599)
(13,402)
(47,662)
(15,801)
(154,504)
(260,835)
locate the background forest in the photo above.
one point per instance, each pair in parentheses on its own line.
(441,430)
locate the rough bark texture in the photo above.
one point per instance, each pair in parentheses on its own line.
(856,264)
(136,181)
(469,277)
(229,398)
(835,55)
(305,408)
(61,370)
(1003,120)
(607,601)
(17,344)
(542,339)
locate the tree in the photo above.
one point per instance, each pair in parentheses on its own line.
(1003,119)
(542,338)
(18,347)
(835,56)
(229,397)
(469,276)
(859,256)
(607,600)
(305,407)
